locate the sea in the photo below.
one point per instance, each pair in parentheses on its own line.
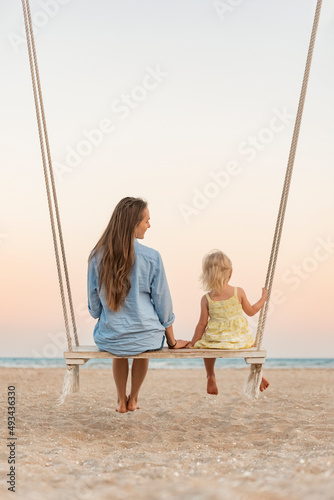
(171,364)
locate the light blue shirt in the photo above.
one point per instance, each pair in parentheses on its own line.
(140,323)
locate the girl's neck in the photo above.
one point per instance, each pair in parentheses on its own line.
(223,294)
(225,287)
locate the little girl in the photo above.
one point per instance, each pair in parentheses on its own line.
(222,324)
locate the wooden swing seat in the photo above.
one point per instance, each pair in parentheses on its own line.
(79,355)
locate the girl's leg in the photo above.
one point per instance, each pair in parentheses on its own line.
(210,373)
(138,373)
(120,370)
(264,384)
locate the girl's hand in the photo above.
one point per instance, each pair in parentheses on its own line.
(190,345)
(264,293)
(180,344)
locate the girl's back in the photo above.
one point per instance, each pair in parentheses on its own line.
(227,327)
(224,309)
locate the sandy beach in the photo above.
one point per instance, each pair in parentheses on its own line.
(183,443)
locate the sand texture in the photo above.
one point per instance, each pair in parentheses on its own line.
(182,444)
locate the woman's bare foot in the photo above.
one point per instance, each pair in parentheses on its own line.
(264,384)
(122,405)
(132,404)
(212,386)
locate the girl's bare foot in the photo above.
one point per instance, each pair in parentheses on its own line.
(212,386)
(264,384)
(121,405)
(132,404)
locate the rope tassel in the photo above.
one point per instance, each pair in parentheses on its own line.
(71,382)
(253,381)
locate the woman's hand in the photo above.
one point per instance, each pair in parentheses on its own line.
(170,339)
(180,344)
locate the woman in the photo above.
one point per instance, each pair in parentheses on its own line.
(129,295)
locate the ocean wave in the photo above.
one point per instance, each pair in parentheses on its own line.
(172,364)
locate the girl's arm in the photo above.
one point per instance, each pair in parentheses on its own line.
(203,321)
(249,309)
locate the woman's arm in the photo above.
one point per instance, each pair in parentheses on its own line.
(202,323)
(94,303)
(249,309)
(162,302)
(160,295)
(176,344)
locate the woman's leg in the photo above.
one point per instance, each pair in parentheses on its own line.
(210,373)
(138,373)
(121,370)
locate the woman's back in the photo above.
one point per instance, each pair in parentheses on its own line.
(140,323)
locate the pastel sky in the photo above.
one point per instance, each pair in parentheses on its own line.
(191,105)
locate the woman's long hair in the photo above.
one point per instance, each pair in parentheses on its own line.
(116,245)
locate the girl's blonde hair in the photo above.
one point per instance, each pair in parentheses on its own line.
(216,268)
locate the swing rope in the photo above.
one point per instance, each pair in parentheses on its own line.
(49,178)
(287,181)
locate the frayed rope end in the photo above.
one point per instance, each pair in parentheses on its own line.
(253,381)
(71,382)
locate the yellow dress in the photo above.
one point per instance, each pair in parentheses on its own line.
(227,327)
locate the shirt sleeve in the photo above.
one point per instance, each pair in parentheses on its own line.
(160,296)
(94,303)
